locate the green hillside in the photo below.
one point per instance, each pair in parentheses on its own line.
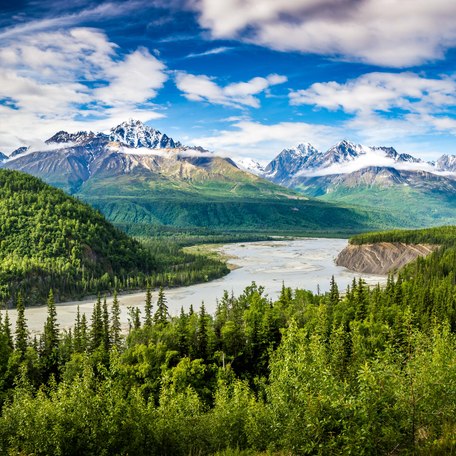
(51,240)
(410,207)
(250,205)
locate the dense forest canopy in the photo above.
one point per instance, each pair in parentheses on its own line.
(368,371)
(49,239)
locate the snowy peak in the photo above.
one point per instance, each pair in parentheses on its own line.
(250,165)
(446,163)
(344,151)
(3,157)
(134,133)
(81,137)
(290,161)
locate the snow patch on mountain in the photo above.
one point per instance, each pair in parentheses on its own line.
(250,165)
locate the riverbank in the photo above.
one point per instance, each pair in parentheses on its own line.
(303,263)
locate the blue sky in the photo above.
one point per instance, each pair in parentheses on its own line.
(240,77)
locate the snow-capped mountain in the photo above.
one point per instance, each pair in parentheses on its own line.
(250,165)
(291,161)
(134,133)
(446,163)
(3,157)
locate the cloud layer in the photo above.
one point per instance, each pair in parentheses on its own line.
(395,33)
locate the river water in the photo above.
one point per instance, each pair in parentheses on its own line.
(304,263)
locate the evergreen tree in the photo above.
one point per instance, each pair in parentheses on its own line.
(202,335)
(333,292)
(106,331)
(115,321)
(77,333)
(7,330)
(182,335)
(96,333)
(148,307)
(51,328)
(161,314)
(21,327)
(84,332)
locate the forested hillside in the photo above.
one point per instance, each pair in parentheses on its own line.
(49,239)
(368,371)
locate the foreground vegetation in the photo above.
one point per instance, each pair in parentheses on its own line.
(49,239)
(372,371)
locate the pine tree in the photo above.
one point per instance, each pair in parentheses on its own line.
(51,337)
(105,318)
(333,292)
(96,332)
(182,336)
(201,334)
(51,328)
(161,314)
(148,307)
(115,321)
(21,327)
(84,332)
(77,333)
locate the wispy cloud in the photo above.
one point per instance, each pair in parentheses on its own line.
(214,51)
(240,94)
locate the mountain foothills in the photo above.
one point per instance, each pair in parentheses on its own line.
(369,176)
(138,177)
(368,371)
(51,240)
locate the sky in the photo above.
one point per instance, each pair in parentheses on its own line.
(244,78)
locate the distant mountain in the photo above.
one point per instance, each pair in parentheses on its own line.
(446,163)
(3,157)
(19,151)
(377,177)
(137,176)
(250,165)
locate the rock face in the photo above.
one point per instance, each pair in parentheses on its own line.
(382,257)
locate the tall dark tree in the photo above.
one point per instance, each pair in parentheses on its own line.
(51,337)
(115,321)
(7,330)
(202,335)
(51,328)
(21,327)
(161,314)
(106,329)
(96,333)
(77,333)
(148,307)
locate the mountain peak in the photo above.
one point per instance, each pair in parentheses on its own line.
(62,137)
(134,133)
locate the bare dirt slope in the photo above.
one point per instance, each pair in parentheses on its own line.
(382,257)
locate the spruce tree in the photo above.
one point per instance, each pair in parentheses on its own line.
(77,333)
(96,333)
(21,327)
(51,328)
(84,333)
(115,321)
(161,314)
(7,330)
(201,334)
(148,307)
(106,332)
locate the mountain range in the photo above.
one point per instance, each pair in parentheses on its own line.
(139,177)
(354,174)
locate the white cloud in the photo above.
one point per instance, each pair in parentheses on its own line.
(387,106)
(261,141)
(397,33)
(74,79)
(203,88)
